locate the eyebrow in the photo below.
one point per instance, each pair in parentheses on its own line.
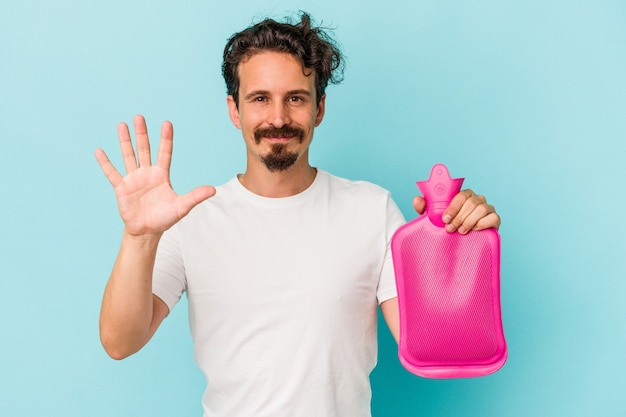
(289,93)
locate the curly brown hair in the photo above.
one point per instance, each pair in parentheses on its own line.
(312,46)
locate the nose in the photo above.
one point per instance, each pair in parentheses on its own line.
(278,115)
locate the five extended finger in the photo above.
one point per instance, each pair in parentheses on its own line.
(107,167)
(164,156)
(193,198)
(143,143)
(126,146)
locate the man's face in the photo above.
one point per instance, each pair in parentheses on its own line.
(277,110)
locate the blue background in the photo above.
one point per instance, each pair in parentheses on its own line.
(526,99)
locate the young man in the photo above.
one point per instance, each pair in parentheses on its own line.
(284,265)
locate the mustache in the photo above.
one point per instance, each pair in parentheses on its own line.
(278,132)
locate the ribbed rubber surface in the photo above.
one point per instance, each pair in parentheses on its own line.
(450,308)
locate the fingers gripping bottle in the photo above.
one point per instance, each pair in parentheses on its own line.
(448,291)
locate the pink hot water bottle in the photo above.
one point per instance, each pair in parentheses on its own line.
(448,291)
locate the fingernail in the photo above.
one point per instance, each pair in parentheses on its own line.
(461,230)
(447,218)
(450,228)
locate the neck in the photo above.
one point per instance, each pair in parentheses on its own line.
(292,181)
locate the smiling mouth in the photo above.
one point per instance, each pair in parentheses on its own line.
(278,138)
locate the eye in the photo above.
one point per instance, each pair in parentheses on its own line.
(296,99)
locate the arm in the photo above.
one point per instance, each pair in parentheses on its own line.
(148,206)
(391,313)
(130,313)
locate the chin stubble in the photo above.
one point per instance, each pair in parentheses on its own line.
(279,158)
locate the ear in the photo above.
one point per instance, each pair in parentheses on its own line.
(233,111)
(321,107)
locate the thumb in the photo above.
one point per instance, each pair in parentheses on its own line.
(194,197)
(419,204)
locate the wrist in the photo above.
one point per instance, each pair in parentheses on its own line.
(147,241)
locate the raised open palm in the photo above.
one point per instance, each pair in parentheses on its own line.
(146,200)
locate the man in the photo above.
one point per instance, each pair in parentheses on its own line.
(283,265)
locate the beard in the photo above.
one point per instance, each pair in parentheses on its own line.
(279,158)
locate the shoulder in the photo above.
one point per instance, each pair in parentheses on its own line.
(363,202)
(369,197)
(352,187)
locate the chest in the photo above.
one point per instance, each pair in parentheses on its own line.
(296,259)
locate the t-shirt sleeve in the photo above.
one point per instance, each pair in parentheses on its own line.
(168,278)
(387,283)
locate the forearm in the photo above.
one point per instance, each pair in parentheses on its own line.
(126,318)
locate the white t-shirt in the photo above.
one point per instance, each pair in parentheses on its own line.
(283,295)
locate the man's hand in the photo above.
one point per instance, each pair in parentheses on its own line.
(467,211)
(147,203)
